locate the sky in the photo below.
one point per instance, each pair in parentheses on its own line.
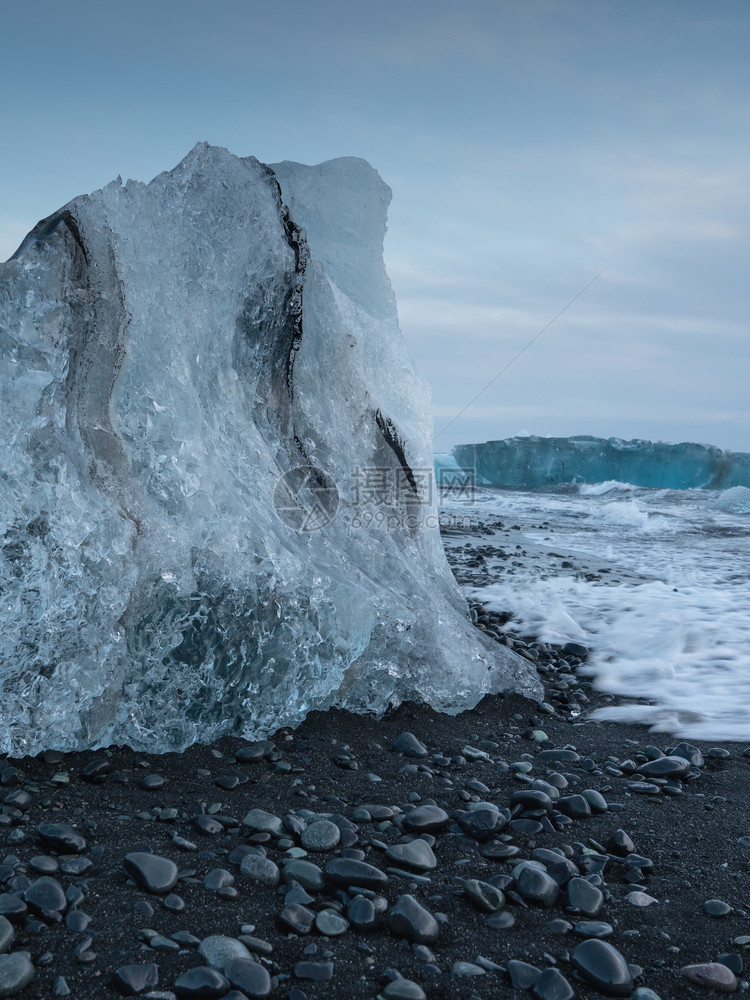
(529,144)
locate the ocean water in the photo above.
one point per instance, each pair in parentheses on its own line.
(656,582)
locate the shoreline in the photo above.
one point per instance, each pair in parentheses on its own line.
(364,784)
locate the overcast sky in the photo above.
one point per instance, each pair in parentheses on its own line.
(528,143)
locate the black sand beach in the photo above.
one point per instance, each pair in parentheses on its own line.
(686,841)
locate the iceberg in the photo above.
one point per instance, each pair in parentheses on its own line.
(216,509)
(531,461)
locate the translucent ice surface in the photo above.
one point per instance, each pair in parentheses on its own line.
(199,390)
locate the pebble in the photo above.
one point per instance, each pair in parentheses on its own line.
(484,896)
(426,819)
(16,972)
(552,985)
(260,821)
(318,972)
(404,989)
(467,969)
(347,871)
(297,918)
(593,929)
(151,871)
(717,908)
(523,976)
(62,838)
(201,983)
(712,975)
(130,980)
(249,976)
(409,746)
(665,767)
(602,965)
(415,854)
(361,913)
(322,835)
(308,875)
(407,918)
(637,898)
(330,923)
(45,893)
(218,951)
(6,934)
(261,870)
(536,886)
(584,896)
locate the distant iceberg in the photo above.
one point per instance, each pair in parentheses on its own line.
(195,374)
(529,462)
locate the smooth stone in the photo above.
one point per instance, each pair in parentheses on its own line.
(732,961)
(16,972)
(689,753)
(249,976)
(201,983)
(154,873)
(218,951)
(208,825)
(483,895)
(129,980)
(482,824)
(12,908)
(574,806)
(644,993)
(77,921)
(62,838)
(361,913)
(76,866)
(416,854)
(596,800)
(467,969)
(562,756)
(620,844)
(536,886)
(60,987)
(345,872)
(322,835)
(404,989)
(552,985)
(712,975)
(501,921)
(407,918)
(6,934)
(46,894)
(318,972)
(426,819)
(637,898)
(409,746)
(523,976)
(715,908)
(44,864)
(584,896)
(330,923)
(308,875)
(261,821)
(665,767)
(602,965)
(593,929)
(297,918)
(531,798)
(260,869)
